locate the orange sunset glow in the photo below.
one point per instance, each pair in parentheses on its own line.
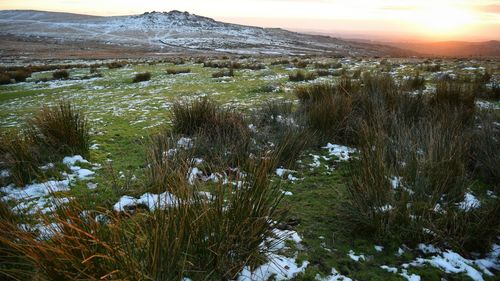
(369,19)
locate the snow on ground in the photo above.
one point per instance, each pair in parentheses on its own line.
(151,201)
(282,172)
(470,202)
(277,266)
(355,257)
(450,262)
(41,197)
(340,151)
(335,276)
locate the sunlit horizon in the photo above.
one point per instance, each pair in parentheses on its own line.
(390,20)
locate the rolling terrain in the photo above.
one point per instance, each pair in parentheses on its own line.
(174,31)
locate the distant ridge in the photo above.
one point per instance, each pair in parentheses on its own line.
(179,31)
(455,48)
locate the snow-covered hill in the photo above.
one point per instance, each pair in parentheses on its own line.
(176,30)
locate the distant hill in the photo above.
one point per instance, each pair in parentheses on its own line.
(453,48)
(176,31)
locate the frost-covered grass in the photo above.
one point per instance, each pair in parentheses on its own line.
(123,116)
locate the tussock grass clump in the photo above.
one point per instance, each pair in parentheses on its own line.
(190,238)
(328,109)
(431,67)
(60,74)
(279,124)
(298,76)
(5,79)
(223,73)
(20,156)
(322,72)
(116,64)
(53,133)
(280,62)
(484,160)
(414,164)
(62,130)
(13,264)
(457,97)
(301,64)
(273,112)
(173,71)
(417,200)
(20,75)
(218,131)
(414,83)
(491,92)
(142,77)
(331,117)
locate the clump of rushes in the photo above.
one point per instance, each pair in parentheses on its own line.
(116,64)
(141,77)
(191,238)
(301,64)
(328,110)
(62,129)
(322,72)
(300,75)
(60,74)
(414,83)
(218,131)
(173,71)
(484,160)
(5,79)
(13,264)
(20,75)
(20,156)
(414,166)
(456,97)
(223,73)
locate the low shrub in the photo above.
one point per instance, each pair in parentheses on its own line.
(141,77)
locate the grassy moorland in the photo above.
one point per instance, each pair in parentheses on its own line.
(250,169)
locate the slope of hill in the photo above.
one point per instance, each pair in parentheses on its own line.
(178,31)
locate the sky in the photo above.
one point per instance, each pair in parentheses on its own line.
(386,20)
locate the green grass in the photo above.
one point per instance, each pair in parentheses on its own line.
(123,115)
